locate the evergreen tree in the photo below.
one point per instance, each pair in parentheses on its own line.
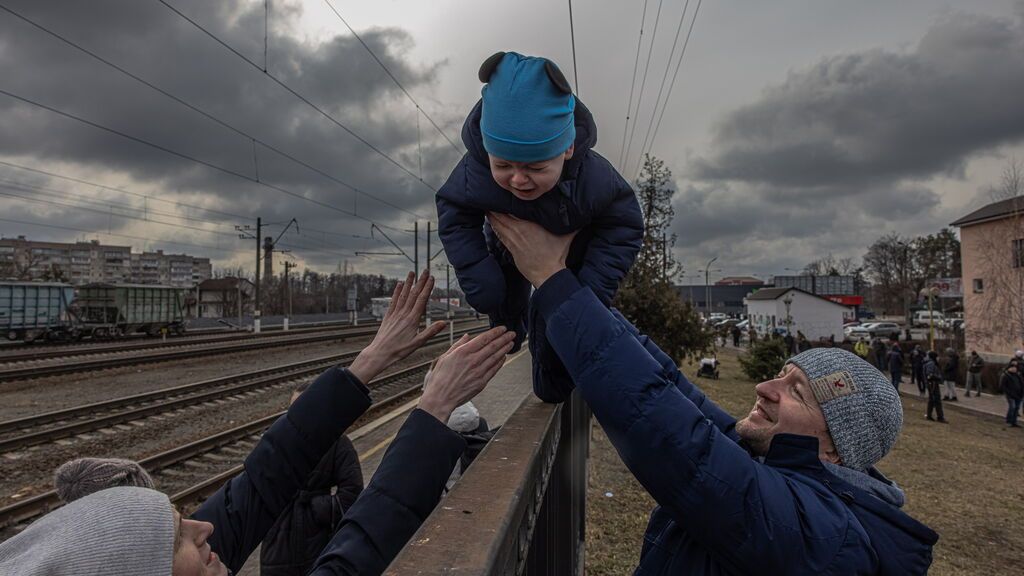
(647,297)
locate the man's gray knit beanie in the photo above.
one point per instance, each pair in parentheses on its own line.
(118,532)
(861,406)
(83,476)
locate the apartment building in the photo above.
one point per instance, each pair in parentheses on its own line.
(84,262)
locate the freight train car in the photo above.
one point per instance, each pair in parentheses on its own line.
(111,310)
(32,311)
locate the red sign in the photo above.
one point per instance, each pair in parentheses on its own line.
(847,300)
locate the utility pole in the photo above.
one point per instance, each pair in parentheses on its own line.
(664,259)
(707,288)
(416,249)
(288,288)
(245,233)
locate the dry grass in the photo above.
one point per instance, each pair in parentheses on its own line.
(964,479)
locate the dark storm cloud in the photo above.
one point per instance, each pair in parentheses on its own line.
(878,115)
(842,152)
(152,42)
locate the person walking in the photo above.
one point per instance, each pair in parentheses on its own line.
(881,354)
(975,364)
(1012,384)
(896,365)
(950,372)
(933,378)
(736,333)
(917,369)
(862,349)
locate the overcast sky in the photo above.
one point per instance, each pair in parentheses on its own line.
(794,129)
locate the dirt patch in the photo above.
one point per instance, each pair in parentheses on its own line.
(965,480)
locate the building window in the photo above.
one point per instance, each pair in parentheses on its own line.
(979,285)
(1018,253)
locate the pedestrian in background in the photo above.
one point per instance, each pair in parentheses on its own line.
(896,365)
(975,364)
(736,333)
(881,354)
(1013,388)
(917,368)
(933,377)
(862,349)
(950,371)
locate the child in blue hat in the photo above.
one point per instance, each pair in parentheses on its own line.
(530,154)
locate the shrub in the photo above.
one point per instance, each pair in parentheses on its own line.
(764,360)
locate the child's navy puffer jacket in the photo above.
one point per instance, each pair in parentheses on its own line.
(591,196)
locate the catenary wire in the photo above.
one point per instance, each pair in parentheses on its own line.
(203,113)
(632,85)
(392,76)
(295,93)
(572,37)
(664,76)
(674,74)
(643,83)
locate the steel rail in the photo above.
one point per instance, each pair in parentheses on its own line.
(46,501)
(222,387)
(107,348)
(29,372)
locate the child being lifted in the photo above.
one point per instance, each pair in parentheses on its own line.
(530,154)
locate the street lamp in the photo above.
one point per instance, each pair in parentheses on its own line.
(707,288)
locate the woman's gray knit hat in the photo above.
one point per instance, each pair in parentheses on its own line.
(862,408)
(83,476)
(116,532)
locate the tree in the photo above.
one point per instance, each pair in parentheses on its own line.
(765,359)
(647,297)
(889,264)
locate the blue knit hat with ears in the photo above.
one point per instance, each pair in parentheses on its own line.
(527,108)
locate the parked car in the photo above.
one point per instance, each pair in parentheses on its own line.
(875,330)
(922,318)
(744,325)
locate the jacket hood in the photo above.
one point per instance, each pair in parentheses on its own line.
(586,136)
(902,544)
(871,481)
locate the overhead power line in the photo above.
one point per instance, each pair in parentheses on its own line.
(122,190)
(390,75)
(643,83)
(664,77)
(204,113)
(673,83)
(295,93)
(105,206)
(632,86)
(184,156)
(110,213)
(114,234)
(572,37)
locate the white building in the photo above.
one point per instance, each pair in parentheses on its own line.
(800,311)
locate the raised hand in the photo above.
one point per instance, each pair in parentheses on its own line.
(399,333)
(464,370)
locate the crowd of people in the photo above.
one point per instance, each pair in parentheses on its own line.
(792,487)
(938,376)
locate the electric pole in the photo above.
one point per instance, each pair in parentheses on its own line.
(246,234)
(416,249)
(288,290)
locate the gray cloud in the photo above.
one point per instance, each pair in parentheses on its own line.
(157,45)
(842,152)
(878,115)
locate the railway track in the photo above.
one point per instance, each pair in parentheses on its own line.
(72,351)
(56,366)
(188,465)
(21,433)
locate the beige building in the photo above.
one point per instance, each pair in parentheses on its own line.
(84,262)
(992,257)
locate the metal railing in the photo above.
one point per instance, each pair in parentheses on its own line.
(520,509)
